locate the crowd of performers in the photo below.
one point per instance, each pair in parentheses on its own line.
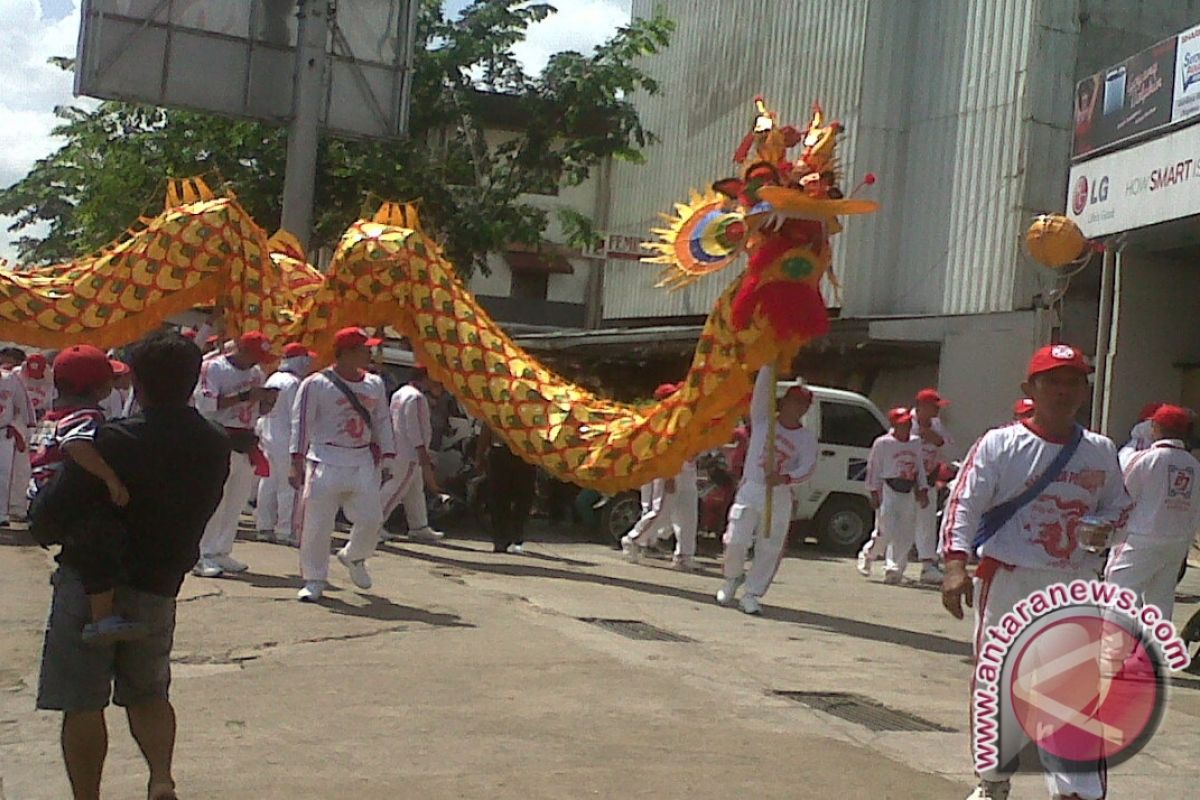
(316,443)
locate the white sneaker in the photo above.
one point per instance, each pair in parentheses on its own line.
(894,578)
(426,534)
(229,564)
(931,573)
(990,790)
(864,566)
(631,550)
(357,569)
(516,549)
(207,568)
(750,605)
(727,593)
(265,536)
(683,563)
(311,592)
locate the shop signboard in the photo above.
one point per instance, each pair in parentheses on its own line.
(1127,100)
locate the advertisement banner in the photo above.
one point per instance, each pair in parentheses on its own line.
(1187,76)
(1143,185)
(1127,100)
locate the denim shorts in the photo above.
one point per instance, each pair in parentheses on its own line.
(76,676)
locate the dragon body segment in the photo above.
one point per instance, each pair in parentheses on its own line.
(386,271)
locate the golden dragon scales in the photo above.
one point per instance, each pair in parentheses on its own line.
(205,249)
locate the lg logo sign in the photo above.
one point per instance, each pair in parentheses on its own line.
(1086,193)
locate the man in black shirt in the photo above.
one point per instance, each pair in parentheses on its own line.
(174,463)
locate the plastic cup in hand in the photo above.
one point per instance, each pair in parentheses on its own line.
(1095,534)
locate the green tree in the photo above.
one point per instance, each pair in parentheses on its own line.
(577,112)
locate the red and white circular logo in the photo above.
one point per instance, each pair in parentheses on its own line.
(1084,688)
(1062,352)
(1079,198)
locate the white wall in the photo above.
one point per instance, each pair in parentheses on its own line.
(1157,325)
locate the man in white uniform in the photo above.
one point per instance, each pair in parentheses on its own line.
(341,437)
(1140,437)
(16,427)
(935,441)
(117,403)
(1162,482)
(899,491)
(414,466)
(1038,544)
(667,503)
(771,469)
(276,497)
(35,374)
(230,393)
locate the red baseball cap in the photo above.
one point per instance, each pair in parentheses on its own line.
(119,368)
(1055,356)
(1148,411)
(82,368)
(931,396)
(1175,418)
(349,338)
(297,350)
(256,344)
(1023,407)
(899,415)
(665,390)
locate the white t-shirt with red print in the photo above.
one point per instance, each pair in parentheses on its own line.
(931,454)
(327,428)
(892,459)
(795,450)
(220,378)
(1043,533)
(1164,484)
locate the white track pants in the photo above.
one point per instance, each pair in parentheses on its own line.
(407,486)
(222,527)
(927,529)
(8,473)
(276,498)
(746,518)
(994,598)
(678,511)
(1149,567)
(328,487)
(895,527)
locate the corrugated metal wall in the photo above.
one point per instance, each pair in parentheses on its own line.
(724,53)
(932,95)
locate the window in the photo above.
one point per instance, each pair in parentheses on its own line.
(847,425)
(530,285)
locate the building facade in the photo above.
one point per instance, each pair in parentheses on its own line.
(962,108)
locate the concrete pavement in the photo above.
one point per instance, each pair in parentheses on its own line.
(464,674)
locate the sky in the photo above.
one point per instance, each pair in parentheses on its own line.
(36,30)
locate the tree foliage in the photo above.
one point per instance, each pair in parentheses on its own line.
(577,112)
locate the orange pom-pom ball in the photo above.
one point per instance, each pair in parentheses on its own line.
(1055,241)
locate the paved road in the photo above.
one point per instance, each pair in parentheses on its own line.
(464,674)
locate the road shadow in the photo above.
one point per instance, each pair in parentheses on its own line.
(867,631)
(16,537)
(383,610)
(261,580)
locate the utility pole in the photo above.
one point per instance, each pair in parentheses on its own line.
(316,18)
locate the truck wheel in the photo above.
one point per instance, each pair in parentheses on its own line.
(618,515)
(844,523)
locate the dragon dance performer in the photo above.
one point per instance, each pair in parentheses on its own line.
(1038,477)
(668,503)
(789,462)
(341,437)
(231,394)
(276,497)
(413,426)
(16,426)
